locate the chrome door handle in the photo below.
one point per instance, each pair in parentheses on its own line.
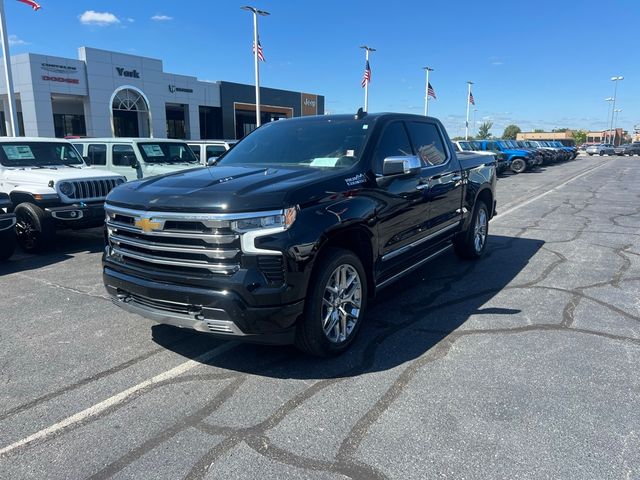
(422,186)
(456,178)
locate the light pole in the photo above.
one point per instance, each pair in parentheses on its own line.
(615,123)
(263,13)
(426,91)
(475,125)
(608,100)
(367,80)
(615,91)
(466,124)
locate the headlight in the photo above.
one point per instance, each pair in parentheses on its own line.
(282,220)
(66,189)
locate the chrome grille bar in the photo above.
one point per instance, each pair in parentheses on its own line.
(216,268)
(209,252)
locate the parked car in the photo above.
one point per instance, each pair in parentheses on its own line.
(51,188)
(502,162)
(7,230)
(601,149)
(559,155)
(208,151)
(296,227)
(628,149)
(547,157)
(136,158)
(518,158)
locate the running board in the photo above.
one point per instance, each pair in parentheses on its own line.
(413,267)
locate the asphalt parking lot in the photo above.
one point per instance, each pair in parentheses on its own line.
(522,365)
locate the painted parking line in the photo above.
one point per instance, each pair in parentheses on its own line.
(120,397)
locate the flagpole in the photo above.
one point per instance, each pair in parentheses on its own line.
(366,84)
(466,128)
(256,12)
(13,119)
(426,91)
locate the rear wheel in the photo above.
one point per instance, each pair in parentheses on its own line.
(471,243)
(518,165)
(7,243)
(335,304)
(34,229)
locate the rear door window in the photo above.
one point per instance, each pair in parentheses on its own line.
(97,154)
(121,155)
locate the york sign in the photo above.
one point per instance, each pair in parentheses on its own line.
(128,73)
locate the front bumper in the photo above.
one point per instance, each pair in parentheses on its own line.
(220,313)
(78,215)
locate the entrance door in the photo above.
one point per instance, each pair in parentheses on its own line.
(125,124)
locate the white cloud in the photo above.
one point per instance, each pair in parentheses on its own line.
(497,63)
(130,20)
(101,19)
(15,40)
(161,18)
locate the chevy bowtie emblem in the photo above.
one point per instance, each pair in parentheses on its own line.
(147,225)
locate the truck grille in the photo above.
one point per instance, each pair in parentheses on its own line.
(91,190)
(173,242)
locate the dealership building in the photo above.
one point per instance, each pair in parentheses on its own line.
(105,94)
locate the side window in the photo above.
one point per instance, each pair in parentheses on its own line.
(97,154)
(121,155)
(196,150)
(428,143)
(214,151)
(394,143)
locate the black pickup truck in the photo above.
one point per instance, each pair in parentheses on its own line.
(288,235)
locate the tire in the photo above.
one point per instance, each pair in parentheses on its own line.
(601,153)
(35,230)
(518,165)
(590,154)
(313,335)
(471,243)
(7,244)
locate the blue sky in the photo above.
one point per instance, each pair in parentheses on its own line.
(542,64)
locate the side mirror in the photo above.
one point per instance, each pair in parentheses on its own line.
(132,161)
(87,160)
(211,161)
(400,165)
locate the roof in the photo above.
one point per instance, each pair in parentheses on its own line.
(125,139)
(32,139)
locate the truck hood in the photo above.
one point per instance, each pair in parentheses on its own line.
(224,189)
(42,176)
(152,169)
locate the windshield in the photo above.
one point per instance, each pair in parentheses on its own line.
(39,154)
(317,143)
(466,146)
(167,152)
(504,144)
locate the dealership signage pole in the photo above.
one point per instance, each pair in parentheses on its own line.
(426,91)
(256,59)
(466,129)
(13,119)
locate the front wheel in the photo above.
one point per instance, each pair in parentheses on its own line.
(518,165)
(35,230)
(471,243)
(335,304)
(601,153)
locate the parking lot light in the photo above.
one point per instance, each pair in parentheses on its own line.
(605,131)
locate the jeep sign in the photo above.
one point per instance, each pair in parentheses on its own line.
(309,104)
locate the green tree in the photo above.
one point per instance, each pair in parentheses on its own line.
(560,130)
(511,132)
(483,130)
(580,136)
(538,130)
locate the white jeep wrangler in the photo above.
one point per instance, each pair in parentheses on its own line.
(51,188)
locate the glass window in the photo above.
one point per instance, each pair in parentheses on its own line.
(121,155)
(316,142)
(97,154)
(167,152)
(394,143)
(428,143)
(37,154)
(196,150)
(214,151)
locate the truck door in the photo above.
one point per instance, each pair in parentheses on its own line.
(404,209)
(442,179)
(121,160)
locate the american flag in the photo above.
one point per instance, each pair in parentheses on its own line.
(431,92)
(32,4)
(260,52)
(471,100)
(366,78)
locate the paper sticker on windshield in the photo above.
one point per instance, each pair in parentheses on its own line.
(153,150)
(18,152)
(324,162)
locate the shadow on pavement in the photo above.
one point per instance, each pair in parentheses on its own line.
(68,243)
(406,320)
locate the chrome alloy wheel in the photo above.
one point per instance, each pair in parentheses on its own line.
(341,303)
(480,230)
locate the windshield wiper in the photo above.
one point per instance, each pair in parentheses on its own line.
(71,165)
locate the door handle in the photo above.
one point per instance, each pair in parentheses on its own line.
(456,178)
